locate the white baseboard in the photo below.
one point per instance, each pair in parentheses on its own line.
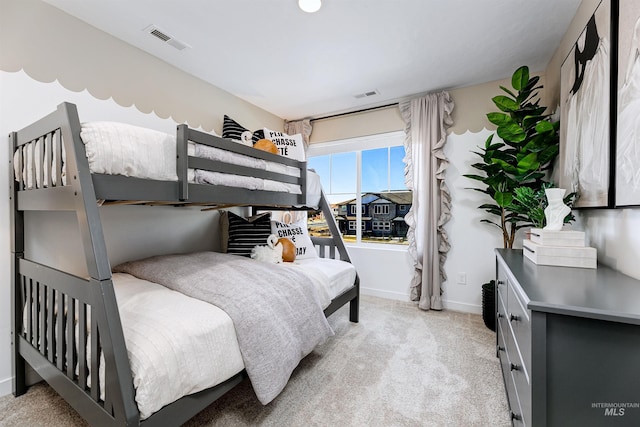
(462,306)
(398,296)
(6,386)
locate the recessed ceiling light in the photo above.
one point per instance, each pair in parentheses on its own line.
(310,6)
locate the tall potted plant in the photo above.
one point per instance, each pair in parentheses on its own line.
(528,144)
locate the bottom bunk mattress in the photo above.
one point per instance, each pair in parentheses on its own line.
(179,345)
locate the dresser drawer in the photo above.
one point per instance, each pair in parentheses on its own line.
(519,319)
(501,308)
(505,350)
(520,378)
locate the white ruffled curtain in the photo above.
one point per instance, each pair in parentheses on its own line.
(427,119)
(302,127)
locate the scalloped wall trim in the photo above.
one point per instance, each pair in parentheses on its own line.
(51,45)
(472,104)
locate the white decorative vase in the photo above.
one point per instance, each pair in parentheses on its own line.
(556,211)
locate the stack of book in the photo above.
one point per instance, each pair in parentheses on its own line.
(559,248)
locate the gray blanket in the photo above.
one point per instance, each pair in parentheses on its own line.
(276,311)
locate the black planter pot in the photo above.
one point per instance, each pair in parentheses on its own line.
(489,304)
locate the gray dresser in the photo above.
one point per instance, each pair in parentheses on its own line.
(568,340)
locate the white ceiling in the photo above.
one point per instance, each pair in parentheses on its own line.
(295,64)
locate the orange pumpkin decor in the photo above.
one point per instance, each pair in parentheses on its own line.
(266,145)
(288,249)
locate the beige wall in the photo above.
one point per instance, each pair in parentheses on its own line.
(50,45)
(469,114)
(359,124)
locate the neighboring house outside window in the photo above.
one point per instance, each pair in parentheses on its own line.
(363,179)
(386,218)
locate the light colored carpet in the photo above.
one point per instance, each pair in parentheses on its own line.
(399,366)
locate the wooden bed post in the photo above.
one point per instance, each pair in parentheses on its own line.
(99,268)
(18,370)
(182,157)
(79,178)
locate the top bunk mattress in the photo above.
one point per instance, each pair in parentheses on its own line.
(114,148)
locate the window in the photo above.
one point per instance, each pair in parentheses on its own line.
(381,209)
(381,226)
(354,209)
(352,225)
(364,178)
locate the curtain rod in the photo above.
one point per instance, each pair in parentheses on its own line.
(354,112)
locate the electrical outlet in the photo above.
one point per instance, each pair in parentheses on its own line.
(462,278)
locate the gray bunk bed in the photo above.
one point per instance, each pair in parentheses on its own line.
(49,340)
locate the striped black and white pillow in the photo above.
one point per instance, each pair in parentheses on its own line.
(240,235)
(232,130)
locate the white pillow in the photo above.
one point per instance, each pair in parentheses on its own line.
(291,146)
(298,234)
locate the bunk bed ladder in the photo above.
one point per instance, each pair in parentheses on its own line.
(59,317)
(351,295)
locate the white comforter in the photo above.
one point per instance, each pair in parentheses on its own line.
(177,345)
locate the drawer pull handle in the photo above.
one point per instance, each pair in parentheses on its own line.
(514,367)
(500,348)
(515,416)
(500,282)
(513,317)
(500,315)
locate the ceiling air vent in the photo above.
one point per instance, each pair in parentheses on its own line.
(166,38)
(366,94)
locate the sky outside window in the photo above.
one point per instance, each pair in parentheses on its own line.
(382,170)
(343,173)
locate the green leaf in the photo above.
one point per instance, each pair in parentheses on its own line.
(506,104)
(532,82)
(503,198)
(544,126)
(548,154)
(476,177)
(480,190)
(499,119)
(494,147)
(511,132)
(492,209)
(530,121)
(513,95)
(487,143)
(520,78)
(528,163)
(491,222)
(488,206)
